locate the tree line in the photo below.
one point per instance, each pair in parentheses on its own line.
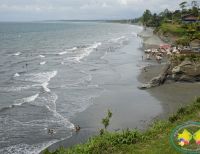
(155,20)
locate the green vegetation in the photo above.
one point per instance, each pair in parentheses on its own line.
(175,29)
(186,33)
(153,141)
(173,22)
(155,20)
(106,121)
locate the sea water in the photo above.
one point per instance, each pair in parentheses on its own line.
(49,72)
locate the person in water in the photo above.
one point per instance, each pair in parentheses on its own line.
(77,128)
(50,131)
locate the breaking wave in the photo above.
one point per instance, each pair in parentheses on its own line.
(86,51)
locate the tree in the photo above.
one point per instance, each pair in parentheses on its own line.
(146,17)
(155,22)
(106,121)
(176,16)
(194,4)
(195,8)
(183,6)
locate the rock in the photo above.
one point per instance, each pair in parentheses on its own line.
(176,70)
(187,71)
(156,81)
(187,68)
(145,86)
(187,78)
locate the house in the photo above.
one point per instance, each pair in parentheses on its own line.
(195,45)
(190,19)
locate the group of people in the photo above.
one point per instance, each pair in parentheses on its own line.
(161,52)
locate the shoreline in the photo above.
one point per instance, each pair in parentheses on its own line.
(179,92)
(158,93)
(90,125)
(172,95)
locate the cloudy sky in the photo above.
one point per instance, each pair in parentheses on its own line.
(23,10)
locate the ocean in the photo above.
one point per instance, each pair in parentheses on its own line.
(50,71)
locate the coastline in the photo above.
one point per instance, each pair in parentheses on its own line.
(172,95)
(170,102)
(120,101)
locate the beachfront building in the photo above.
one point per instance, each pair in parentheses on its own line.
(190,19)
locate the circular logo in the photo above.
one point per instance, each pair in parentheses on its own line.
(185,138)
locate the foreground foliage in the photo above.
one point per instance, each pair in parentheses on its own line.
(153,141)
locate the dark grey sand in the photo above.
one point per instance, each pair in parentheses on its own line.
(172,95)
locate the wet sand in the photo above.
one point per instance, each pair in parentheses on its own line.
(172,95)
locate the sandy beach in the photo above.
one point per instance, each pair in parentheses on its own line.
(125,105)
(172,95)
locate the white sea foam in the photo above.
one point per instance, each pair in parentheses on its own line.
(63,53)
(72,49)
(26,149)
(13,89)
(44,86)
(17,54)
(41,56)
(86,51)
(48,100)
(42,63)
(40,77)
(22,147)
(115,40)
(16,75)
(26,100)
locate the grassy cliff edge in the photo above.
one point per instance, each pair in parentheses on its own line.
(152,141)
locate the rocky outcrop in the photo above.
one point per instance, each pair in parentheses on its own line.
(186,71)
(159,80)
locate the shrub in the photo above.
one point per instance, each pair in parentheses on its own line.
(173,118)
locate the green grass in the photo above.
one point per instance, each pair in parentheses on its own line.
(174,29)
(153,141)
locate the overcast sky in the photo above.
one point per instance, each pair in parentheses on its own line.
(24,10)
